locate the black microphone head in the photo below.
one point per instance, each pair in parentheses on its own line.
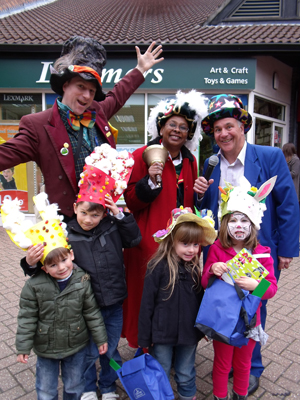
(213,161)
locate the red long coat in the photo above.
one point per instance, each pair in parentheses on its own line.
(151,209)
(42,135)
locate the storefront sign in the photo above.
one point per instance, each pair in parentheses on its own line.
(227,76)
(7,132)
(13,181)
(14,98)
(172,73)
(21,195)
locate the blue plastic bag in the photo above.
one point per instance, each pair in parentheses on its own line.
(144,378)
(227,312)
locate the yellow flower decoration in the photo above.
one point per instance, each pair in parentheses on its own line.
(225,192)
(224,197)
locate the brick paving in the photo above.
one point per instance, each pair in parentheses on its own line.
(281,355)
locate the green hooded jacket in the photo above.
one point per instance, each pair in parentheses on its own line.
(55,324)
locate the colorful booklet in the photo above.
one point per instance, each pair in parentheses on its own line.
(245,264)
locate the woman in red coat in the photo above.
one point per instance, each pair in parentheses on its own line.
(176,125)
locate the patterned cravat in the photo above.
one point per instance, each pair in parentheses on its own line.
(87,119)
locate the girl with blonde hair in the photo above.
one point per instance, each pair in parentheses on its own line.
(172,295)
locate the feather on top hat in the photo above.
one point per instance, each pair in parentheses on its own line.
(51,231)
(84,57)
(106,171)
(203,218)
(246,199)
(192,106)
(225,106)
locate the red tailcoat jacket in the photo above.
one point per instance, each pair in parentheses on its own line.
(42,135)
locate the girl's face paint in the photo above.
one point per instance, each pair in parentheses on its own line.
(239,226)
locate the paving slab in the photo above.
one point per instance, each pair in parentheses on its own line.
(281,355)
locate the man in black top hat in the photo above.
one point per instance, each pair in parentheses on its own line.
(59,139)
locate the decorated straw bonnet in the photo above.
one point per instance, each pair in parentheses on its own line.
(203,218)
(246,199)
(84,57)
(106,171)
(191,106)
(225,106)
(51,231)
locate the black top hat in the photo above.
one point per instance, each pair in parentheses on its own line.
(79,52)
(225,106)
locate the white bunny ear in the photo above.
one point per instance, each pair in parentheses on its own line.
(244,183)
(265,189)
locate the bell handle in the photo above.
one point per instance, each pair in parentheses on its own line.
(158,180)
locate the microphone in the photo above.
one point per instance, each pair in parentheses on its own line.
(212,162)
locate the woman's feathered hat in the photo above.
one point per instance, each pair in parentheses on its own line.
(84,57)
(225,106)
(192,106)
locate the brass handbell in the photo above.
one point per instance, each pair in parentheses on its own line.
(155,153)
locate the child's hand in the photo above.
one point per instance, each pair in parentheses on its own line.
(246,283)
(22,358)
(34,254)
(111,205)
(219,268)
(103,348)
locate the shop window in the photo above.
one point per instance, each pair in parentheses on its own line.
(13,105)
(269,122)
(130,121)
(269,108)
(50,99)
(263,132)
(21,180)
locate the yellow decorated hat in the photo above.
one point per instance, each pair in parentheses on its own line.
(50,231)
(203,218)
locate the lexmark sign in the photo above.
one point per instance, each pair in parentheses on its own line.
(20,98)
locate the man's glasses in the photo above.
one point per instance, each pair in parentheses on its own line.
(182,128)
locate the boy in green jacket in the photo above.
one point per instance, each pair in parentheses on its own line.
(57,308)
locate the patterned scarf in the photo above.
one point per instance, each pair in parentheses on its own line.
(92,139)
